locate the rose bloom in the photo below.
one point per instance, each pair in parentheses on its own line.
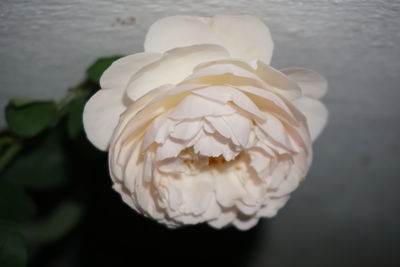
(200,128)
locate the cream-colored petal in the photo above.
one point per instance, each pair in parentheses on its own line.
(225,218)
(228,188)
(186,130)
(208,128)
(148,167)
(174,197)
(211,146)
(259,73)
(259,161)
(222,127)
(315,113)
(264,147)
(225,94)
(242,35)
(247,223)
(279,176)
(171,165)
(172,68)
(129,181)
(194,106)
(240,126)
(278,80)
(272,206)
(245,209)
(197,193)
(213,211)
(312,84)
(274,129)
(118,159)
(168,149)
(121,70)
(101,116)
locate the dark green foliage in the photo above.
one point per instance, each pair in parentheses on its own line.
(42,164)
(15,204)
(27,118)
(41,188)
(13,251)
(59,223)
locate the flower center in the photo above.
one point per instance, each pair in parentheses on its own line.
(195,163)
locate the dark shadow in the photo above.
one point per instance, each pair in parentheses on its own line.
(112,234)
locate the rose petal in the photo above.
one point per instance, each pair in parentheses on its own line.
(121,70)
(259,161)
(316,114)
(172,68)
(213,210)
(171,165)
(186,130)
(168,149)
(312,84)
(173,195)
(272,206)
(273,128)
(225,94)
(194,106)
(240,126)
(242,35)
(228,188)
(268,77)
(197,193)
(247,223)
(101,116)
(208,128)
(211,146)
(225,218)
(133,120)
(148,166)
(222,127)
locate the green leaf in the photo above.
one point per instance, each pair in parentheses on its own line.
(74,120)
(7,153)
(28,118)
(15,205)
(42,165)
(13,252)
(64,218)
(20,102)
(95,70)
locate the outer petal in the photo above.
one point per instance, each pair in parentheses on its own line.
(243,36)
(263,75)
(173,68)
(119,73)
(312,84)
(315,113)
(101,115)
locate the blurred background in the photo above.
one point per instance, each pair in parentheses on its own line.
(346,213)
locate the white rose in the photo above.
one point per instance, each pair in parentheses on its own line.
(200,128)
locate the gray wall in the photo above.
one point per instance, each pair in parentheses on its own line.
(348,211)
